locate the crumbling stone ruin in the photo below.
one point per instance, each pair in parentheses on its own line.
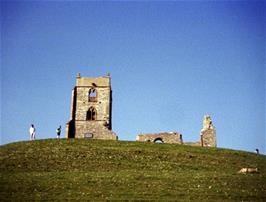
(171,137)
(91,116)
(208,133)
(207,137)
(91,109)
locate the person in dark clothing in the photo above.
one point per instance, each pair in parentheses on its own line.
(58,132)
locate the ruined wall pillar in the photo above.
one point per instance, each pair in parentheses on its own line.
(208,133)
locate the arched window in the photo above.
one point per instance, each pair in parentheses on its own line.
(91,114)
(92,95)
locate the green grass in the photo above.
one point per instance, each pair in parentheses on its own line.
(98,170)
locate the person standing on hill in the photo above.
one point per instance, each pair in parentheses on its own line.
(58,132)
(32,132)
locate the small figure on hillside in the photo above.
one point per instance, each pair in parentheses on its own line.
(32,132)
(257,151)
(58,132)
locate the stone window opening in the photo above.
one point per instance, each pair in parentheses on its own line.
(92,95)
(91,114)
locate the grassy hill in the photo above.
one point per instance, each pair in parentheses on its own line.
(80,170)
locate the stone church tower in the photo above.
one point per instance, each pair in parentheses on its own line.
(208,133)
(91,109)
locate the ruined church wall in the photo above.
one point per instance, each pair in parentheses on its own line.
(165,137)
(208,133)
(208,138)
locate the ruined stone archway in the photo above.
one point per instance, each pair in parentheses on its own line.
(158,140)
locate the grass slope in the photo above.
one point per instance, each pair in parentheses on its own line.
(81,170)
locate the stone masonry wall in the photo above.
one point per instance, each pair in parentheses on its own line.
(208,133)
(95,128)
(101,104)
(208,138)
(165,137)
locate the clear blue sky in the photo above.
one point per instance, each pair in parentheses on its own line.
(170,63)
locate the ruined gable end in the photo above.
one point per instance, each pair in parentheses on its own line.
(208,133)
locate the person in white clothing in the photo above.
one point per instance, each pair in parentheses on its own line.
(32,132)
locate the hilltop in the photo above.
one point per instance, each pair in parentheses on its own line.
(80,169)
